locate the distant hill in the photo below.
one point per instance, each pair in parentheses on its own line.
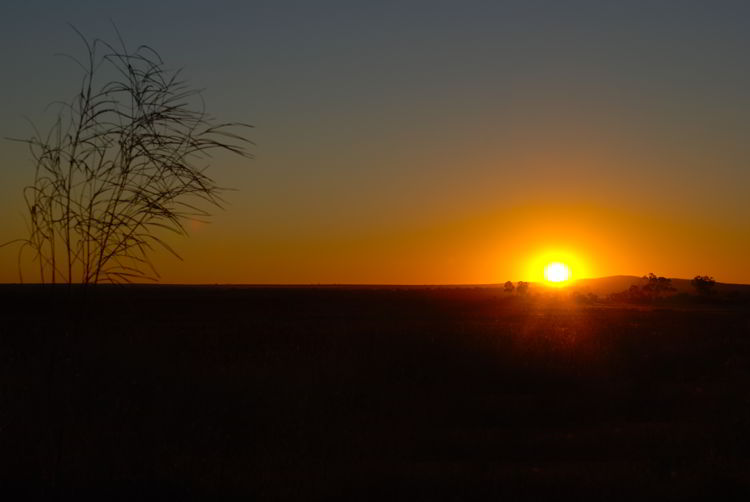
(603,286)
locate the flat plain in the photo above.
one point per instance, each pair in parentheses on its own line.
(370,393)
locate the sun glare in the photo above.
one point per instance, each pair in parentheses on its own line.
(556,267)
(557,273)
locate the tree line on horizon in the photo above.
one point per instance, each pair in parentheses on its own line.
(655,288)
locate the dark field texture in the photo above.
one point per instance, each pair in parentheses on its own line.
(370,394)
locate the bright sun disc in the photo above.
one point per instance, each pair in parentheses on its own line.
(557,272)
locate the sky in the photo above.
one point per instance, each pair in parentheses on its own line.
(432,142)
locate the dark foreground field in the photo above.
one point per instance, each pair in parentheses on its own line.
(382,394)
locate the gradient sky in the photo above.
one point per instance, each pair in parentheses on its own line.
(424,142)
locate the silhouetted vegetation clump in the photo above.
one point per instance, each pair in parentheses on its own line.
(123,164)
(655,288)
(703,284)
(522,287)
(508,287)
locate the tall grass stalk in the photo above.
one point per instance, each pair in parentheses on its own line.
(122,165)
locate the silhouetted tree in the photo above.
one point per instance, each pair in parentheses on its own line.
(656,285)
(645,293)
(703,284)
(522,287)
(122,163)
(508,287)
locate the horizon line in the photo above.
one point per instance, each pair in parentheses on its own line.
(349,284)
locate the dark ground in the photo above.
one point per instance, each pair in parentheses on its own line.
(382,394)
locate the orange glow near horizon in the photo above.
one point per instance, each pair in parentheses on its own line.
(556,267)
(491,245)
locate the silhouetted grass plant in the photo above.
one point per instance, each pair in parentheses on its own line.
(120,166)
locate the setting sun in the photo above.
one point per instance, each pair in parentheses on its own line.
(556,266)
(556,272)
